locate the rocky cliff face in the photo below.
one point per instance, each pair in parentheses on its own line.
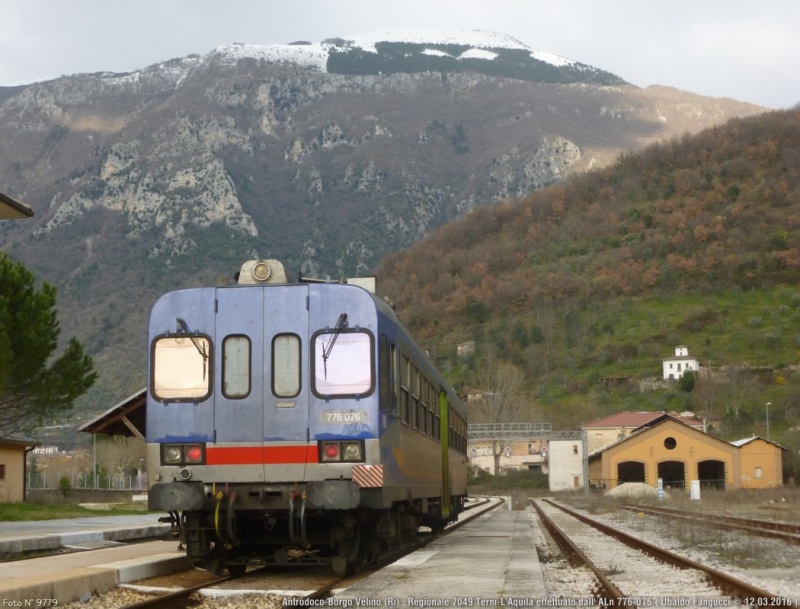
(195,164)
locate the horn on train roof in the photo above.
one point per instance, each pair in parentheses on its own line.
(256,272)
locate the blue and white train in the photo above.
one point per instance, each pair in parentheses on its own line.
(296,423)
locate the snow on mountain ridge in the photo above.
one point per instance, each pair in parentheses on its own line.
(316,55)
(484,39)
(480,42)
(310,55)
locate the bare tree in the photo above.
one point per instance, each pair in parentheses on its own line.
(502,400)
(705,396)
(119,455)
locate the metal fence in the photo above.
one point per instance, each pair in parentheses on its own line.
(477,432)
(85,480)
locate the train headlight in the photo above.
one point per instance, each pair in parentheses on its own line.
(352,451)
(173,455)
(330,451)
(262,271)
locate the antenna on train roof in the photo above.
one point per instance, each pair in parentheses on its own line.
(370,284)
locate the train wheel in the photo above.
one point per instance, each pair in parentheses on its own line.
(236,570)
(216,562)
(348,549)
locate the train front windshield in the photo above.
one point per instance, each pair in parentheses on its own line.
(342,363)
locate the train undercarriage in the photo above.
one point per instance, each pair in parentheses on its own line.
(230,538)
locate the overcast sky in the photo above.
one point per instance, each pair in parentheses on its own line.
(742,49)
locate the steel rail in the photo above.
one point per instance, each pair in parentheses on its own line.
(576,557)
(727,583)
(391,557)
(756,526)
(171,599)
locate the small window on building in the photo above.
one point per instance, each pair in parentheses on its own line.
(576,481)
(670,443)
(758,472)
(2,471)
(286,365)
(574,449)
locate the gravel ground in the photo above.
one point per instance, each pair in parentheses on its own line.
(771,564)
(561,580)
(634,573)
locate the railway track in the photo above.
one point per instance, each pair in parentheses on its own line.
(642,581)
(755,526)
(180,598)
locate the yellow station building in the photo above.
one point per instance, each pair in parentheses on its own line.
(678,453)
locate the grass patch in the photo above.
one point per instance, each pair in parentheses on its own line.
(11,512)
(511,481)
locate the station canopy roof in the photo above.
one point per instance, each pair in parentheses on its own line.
(11,208)
(128,418)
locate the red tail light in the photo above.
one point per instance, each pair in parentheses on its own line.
(194,454)
(331,452)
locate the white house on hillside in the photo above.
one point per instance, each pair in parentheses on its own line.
(675,366)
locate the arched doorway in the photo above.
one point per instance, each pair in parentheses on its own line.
(711,474)
(672,474)
(630,471)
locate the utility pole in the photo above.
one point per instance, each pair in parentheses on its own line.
(768,405)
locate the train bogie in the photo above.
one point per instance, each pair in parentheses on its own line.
(296,423)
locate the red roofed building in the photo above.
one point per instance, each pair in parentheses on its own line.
(603,432)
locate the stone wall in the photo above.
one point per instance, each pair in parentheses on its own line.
(81,495)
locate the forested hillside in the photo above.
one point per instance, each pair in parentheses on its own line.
(588,285)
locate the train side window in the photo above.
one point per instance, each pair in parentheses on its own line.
(423,406)
(343,363)
(181,370)
(385,379)
(432,411)
(437,419)
(236,367)
(405,365)
(395,378)
(286,365)
(414,397)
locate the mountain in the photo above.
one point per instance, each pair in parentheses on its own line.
(587,286)
(329,156)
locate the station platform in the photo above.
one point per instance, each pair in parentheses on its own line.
(491,558)
(36,535)
(67,577)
